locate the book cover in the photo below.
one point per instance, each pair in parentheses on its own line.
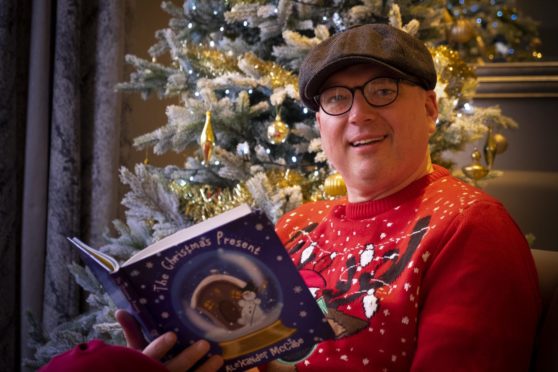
(228,280)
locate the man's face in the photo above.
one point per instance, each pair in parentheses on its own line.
(378,150)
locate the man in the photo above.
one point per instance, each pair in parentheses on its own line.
(418,270)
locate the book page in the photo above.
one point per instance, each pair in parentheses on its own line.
(102,259)
(190,232)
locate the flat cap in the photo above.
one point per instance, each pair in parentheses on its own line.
(371,43)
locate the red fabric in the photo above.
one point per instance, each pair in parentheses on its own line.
(96,356)
(436,277)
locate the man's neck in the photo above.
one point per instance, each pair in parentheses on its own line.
(355,195)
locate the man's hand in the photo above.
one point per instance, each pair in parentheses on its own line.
(162,344)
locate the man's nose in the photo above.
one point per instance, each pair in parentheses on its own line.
(361,111)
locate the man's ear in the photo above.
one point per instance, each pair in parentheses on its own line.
(318,121)
(431,106)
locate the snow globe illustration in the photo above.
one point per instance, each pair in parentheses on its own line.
(231,298)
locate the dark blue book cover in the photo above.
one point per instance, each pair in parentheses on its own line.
(228,280)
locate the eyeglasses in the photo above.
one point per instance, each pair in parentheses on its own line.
(378,92)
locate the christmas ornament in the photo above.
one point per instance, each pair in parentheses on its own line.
(476,170)
(277,131)
(334,185)
(207,138)
(495,144)
(500,142)
(462,31)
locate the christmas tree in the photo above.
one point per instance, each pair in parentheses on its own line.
(491,30)
(247,138)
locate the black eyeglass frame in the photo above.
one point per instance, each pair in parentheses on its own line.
(361,88)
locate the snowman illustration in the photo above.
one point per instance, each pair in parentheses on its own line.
(250,312)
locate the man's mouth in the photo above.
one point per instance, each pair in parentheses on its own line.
(367,141)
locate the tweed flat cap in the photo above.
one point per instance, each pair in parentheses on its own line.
(370,43)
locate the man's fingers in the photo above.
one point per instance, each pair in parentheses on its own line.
(132,331)
(160,346)
(187,358)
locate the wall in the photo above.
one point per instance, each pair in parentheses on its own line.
(527,92)
(143,116)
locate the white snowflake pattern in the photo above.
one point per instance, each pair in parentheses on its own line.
(259,227)
(407,286)
(134,273)
(365,361)
(425,256)
(149,264)
(164,315)
(405,320)
(142,301)
(297,289)
(344,358)
(279,258)
(302,314)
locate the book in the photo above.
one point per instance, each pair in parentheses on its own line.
(228,280)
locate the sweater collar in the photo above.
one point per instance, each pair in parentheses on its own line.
(368,209)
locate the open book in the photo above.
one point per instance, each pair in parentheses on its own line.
(228,280)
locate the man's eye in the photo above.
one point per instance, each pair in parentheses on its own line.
(335,98)
(383,92)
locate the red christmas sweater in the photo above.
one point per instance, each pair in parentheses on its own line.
(436,277)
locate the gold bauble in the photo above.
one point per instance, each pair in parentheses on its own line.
(462,31)
(500,143)
(334,185)
(207,138)
(277,131)
(475,171)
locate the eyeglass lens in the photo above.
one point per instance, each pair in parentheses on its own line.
(377,92)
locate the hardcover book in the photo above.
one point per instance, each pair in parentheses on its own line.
(228,280)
